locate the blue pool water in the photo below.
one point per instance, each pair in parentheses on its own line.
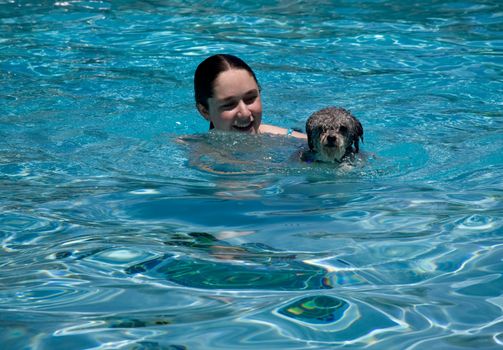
(125,225)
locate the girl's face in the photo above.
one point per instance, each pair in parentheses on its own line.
(236,104)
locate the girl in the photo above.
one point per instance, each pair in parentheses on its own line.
(227,94)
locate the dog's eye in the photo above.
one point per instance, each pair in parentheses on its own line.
(343,129)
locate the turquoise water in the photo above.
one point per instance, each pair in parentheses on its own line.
(124,225)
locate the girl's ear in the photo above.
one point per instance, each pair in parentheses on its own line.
(203,111)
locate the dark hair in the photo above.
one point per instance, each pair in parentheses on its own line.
(208,71)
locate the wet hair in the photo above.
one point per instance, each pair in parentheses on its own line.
(208,71)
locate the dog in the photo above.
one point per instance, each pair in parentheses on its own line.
(333,135)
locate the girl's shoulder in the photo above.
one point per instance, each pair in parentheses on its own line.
(276,130)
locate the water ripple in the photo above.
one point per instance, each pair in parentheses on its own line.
(118,232)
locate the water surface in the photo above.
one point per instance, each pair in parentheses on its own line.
(125,225)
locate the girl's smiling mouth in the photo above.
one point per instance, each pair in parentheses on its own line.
(244,128)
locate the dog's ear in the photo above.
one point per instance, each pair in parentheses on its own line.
(309,132)
(357,134)
(310,142)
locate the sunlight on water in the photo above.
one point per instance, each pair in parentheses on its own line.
(126,225)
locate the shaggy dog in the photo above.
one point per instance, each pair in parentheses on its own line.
(333,135)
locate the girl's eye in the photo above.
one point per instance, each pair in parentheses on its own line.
(250,99)
(229,105)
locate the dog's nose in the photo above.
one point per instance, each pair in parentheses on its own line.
(331,139)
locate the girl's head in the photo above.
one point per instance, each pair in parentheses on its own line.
(227,94)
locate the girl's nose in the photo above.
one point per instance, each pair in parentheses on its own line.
(243,110)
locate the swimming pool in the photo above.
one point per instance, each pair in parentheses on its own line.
(118,232)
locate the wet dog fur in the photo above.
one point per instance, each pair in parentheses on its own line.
(333,135)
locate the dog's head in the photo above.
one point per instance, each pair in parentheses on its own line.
(333,133)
